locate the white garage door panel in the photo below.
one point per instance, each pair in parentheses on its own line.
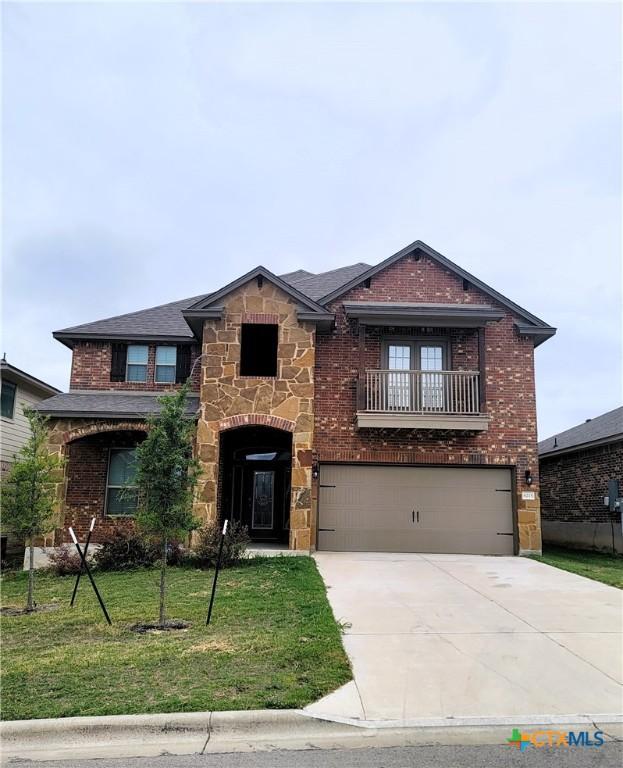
(415,509)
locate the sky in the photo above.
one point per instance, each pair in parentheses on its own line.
(157,151)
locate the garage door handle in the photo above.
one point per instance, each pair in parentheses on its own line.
(504,534)
(326,529)
(413,515)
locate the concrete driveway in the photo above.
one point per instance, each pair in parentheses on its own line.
(466,636)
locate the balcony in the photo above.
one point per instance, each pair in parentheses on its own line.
(444,400)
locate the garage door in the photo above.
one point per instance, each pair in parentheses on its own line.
(415,509)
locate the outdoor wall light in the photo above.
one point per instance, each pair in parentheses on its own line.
(528,477)
(315,471)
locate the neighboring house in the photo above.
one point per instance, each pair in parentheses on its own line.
(19,389)
(387,407)
(575,467)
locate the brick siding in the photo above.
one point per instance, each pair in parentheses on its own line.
(573,485)
(511,439)
(510,399)
(91,362)
(87,467)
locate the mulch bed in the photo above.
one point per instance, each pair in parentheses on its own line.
(168,626)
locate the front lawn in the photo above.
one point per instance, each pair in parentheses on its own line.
(593,565)
(272,643)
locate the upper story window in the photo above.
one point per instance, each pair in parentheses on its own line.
(258,349)
(415,354)
(166,362)
(8,399)
(137,362)
(121,494)
(133,363)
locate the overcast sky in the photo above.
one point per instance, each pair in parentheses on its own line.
(157,151)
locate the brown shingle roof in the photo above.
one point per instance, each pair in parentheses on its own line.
(107,405)
(166,320)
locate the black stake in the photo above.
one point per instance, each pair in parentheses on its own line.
(85,565)
(81,571)
(218,565)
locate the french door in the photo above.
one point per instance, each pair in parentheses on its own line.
(413,382)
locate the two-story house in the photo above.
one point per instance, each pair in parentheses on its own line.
(381,408)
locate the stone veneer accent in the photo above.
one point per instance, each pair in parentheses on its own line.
(285,401)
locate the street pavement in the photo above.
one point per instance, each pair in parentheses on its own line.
(610,755)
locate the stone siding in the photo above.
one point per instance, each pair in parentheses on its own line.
(285,401)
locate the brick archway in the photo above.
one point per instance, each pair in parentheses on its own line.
(256,419)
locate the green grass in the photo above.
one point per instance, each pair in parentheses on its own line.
(273,643)
(593,565)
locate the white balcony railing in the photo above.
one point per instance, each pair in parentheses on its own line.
(420,392)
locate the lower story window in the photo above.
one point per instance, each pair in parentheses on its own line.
(121,493)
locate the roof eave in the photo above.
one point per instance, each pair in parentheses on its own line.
(26,378)
(581,447)
(450,316)
(323,320)
(68,339)
(195,318)
(86,414)
(538,333)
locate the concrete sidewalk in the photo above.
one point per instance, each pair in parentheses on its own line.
(466,636)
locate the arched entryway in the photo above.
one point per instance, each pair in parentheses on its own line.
(256,469)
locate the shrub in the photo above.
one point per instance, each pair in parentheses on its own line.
(124,551)
(177,554)
(129,549)
(208,539)
(65,561)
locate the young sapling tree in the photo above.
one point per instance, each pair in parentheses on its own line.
(166,476)
(28,493)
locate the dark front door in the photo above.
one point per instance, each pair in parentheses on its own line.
(264,500)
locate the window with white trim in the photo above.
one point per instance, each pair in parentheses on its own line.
(166,361)
(136,369)
(121,493)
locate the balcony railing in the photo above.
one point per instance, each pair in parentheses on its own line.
(420,392)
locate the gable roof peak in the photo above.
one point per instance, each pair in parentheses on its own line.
(530,321)
(260,270)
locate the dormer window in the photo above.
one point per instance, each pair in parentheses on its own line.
(166,361)
(137,363)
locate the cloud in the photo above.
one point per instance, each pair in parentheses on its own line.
(155,151)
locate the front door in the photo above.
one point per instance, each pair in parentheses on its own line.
(264,501)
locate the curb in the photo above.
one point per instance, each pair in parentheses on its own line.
(256,730)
